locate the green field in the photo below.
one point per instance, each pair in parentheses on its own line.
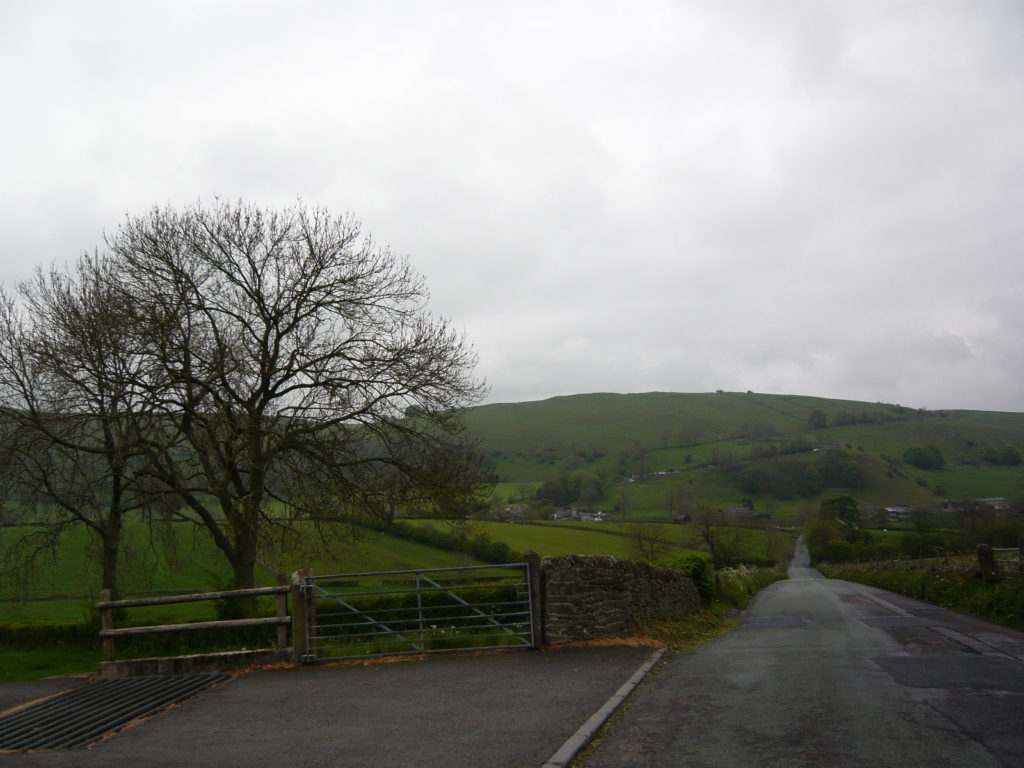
(49,661)
(617,539)
(194,563)
(557,540)
(63,589)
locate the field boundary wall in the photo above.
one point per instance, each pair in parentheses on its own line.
(588,597)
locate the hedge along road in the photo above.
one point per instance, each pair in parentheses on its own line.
(828,673)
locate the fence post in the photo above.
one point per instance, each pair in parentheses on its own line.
(533,574)
(107,622)
(300,646)
(987,568)
(282,612)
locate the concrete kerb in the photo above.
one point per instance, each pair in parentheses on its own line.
(586,732)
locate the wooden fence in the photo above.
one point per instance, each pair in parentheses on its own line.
(283,620)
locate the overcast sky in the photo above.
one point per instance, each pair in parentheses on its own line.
(808,197)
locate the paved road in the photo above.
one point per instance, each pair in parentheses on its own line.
(829,673)
(509,710)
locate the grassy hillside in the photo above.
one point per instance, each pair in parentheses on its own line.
(709,439)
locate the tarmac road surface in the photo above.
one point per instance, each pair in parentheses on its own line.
(828,673)
(505,710)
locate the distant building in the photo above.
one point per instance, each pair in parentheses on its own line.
(517,511)
(998,503)
(583,515)
(737,512)
(898,512)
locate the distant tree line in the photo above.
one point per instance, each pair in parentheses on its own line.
(835,534)
(819,419)
(787,478)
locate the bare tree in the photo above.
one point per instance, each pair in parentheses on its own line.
(451,483)
(676,500)
(622,504)
(70,410)
(524,492)
(648,540)
(295,368)
(721,538)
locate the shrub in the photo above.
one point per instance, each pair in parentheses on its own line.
(696,567)
(736,585)
(837,551)
(924,457)
(1008,456)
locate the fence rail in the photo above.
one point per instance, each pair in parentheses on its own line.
(109,633)
(193,597)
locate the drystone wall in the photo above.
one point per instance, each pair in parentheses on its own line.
(592,596)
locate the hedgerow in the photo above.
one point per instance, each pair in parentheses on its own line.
(1002,601)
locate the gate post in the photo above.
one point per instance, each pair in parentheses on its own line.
(987,567)
(310,613)
(532,560)
(300,642)
(281,601)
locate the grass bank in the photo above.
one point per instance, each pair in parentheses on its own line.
(36,663)
(732,589)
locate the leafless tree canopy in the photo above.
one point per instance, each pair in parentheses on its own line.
(69,392)
(268,364)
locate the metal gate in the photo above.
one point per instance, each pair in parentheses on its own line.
(1008,561)
(441,610)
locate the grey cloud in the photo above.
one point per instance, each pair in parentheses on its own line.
(806,197)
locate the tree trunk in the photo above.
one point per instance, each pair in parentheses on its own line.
(111,546)
(243,567)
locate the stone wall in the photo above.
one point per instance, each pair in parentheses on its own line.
(591,596)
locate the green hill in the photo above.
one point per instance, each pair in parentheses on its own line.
(729,447)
